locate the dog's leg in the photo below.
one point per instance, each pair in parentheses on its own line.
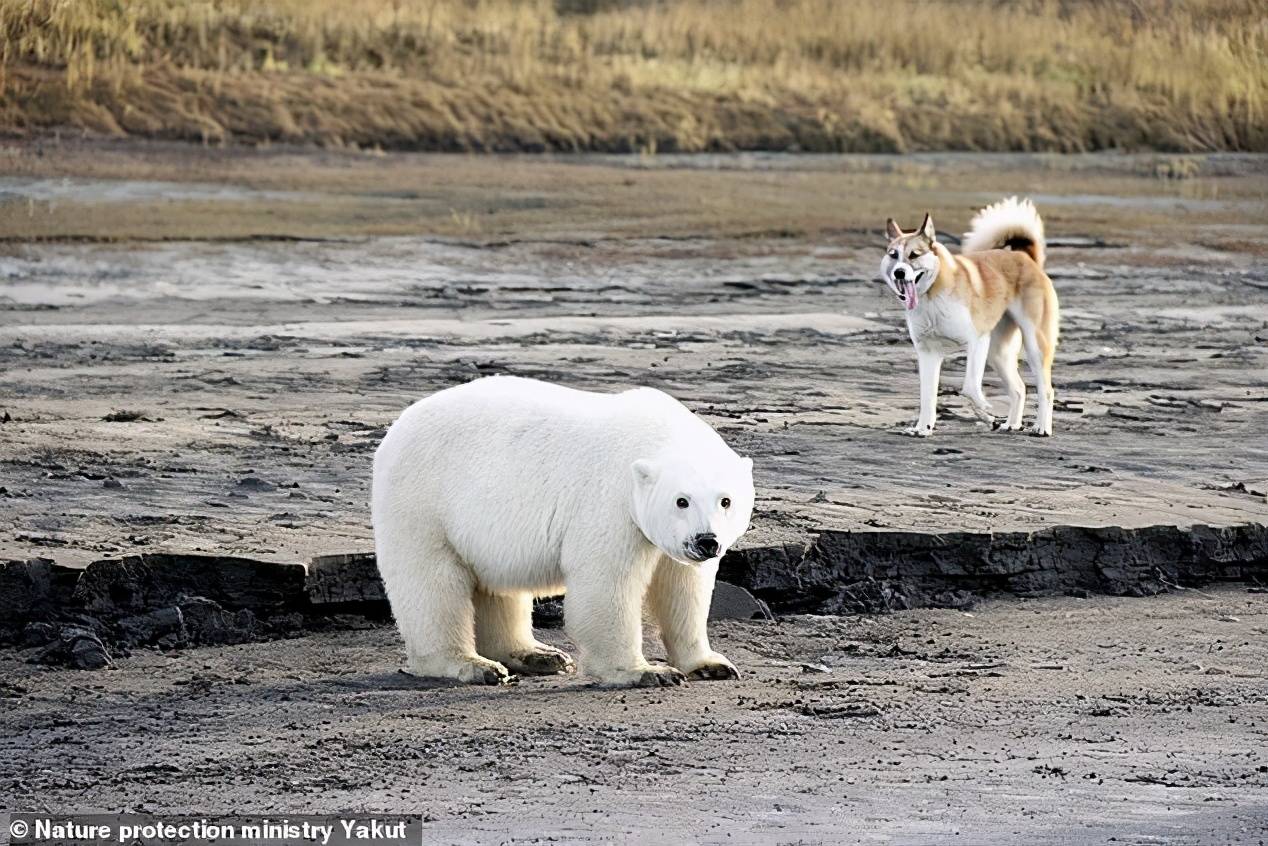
(973,371)
(1039,352)
(930,369)
(1005,349)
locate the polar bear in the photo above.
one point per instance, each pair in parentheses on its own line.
(493,492)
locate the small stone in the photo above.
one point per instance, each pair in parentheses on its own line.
(75,646)
(161,623)
(89,653)
(208,623)
(38,634)
(735,603)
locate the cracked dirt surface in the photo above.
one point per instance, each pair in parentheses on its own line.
(200,348)
(222,393)
(1055,721)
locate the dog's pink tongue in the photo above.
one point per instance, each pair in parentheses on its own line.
(909,288)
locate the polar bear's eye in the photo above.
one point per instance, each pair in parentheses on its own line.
(682,502)
(726,502)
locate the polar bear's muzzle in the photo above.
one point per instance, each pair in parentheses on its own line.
(703,547)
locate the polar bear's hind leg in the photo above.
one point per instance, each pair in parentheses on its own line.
(504,632)
(432,599)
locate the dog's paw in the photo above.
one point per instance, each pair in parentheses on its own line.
(918,431)
(1004,426)
(1036,432)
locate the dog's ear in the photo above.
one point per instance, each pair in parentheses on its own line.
(926,228)
(892,229)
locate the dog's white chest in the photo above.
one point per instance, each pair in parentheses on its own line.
(941,324)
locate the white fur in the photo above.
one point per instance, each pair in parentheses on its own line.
(939,327)
(495,491)
(994,225)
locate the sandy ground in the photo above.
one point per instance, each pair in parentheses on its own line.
(1052,721)
(201,348)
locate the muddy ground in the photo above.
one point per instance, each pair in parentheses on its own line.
(180,373)
(1048,721)
(201,348)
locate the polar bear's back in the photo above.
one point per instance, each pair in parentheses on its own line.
(527,412)
(506,465)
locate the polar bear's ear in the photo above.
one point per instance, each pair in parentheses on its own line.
(645,473)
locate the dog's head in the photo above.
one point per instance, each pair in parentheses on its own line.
(910,265)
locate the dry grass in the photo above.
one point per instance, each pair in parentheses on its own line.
(692,75)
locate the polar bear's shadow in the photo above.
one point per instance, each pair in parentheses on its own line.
(390,680)
(527,686)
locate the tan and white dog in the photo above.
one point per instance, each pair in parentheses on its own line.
(994,300)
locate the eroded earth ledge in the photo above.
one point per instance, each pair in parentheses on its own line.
(80,617)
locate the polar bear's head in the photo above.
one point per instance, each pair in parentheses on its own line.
(693,507)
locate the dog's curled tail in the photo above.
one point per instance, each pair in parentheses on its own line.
(1010,223)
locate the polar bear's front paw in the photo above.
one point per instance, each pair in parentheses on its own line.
(715,667)
(653,675)
(484,671)
(661,675)
(545,661)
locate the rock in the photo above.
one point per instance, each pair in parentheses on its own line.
(126,416)
(164,626)
(75,646)
(209,624)
(32,590)
(38,634)
(115,588)
(766,571)
(344,580)
(548,613)
(731,602)
(354,622)
(292,623)
(89,653)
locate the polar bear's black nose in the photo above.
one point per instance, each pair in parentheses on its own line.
(706,544)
